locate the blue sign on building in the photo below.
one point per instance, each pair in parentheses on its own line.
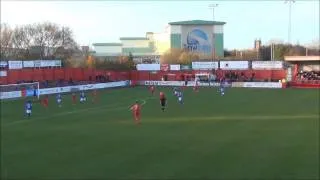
(198,41)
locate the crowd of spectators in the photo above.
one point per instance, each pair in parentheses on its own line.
(51,84)
(309,76)
(238,77)
(230,76)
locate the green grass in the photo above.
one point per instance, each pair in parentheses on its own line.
(247,134)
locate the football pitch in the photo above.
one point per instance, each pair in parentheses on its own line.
(246,134)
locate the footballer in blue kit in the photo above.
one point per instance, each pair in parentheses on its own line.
(59,99)
(180,97)
(175,91)
(222,86)
(28,108)
(82,97)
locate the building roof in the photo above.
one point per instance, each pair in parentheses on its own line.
(133,38)
(107,44)
(197,22)
(302,58)
(106,54)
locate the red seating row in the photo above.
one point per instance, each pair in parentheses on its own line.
(79,74)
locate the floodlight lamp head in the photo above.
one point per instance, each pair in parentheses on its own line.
(213,5)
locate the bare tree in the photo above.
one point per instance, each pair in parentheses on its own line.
(5,41)
(171,56)
(23,40)
(43,40)
(66,45)
(40,39)
(52,38)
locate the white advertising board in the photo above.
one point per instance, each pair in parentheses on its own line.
(204,65)
(104,85)
(83,87)
(49,91)
(9,95)
(47,63)
(37,63)
(148,67)
(3,63)
(214,84)
(15,64)
(3,73)
(175,67)
(237,84)
(167,83)
(230,65)
(16,94)
(267,64)
(257,84)
(57,63)
(28,64)
(162,83)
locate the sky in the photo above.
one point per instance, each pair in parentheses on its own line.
(106,21)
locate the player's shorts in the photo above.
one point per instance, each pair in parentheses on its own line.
(175,92)
(179,98)
(58,101)
(28,111)
(163,102)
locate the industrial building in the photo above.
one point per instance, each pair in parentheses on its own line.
(203,37)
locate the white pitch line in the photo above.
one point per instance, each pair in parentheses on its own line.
(252,118)
(172,119)
(92,109)
(62,114)
(228,118)
(144,101)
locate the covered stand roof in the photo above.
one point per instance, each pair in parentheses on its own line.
(197,22)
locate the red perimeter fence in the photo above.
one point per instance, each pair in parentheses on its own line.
(79,74)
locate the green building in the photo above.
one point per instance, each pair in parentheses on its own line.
(198,35)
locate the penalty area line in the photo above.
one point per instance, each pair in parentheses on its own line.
(90,110)
(144,101)
(235,118)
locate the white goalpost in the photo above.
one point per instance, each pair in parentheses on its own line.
(10,91)
(202,77)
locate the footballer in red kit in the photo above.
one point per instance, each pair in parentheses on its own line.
(136,112)
(196,87)
(152,89)
(94,95)
(163,101)
(45,101)
(74,98)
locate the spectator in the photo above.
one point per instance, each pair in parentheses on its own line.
(308,76)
